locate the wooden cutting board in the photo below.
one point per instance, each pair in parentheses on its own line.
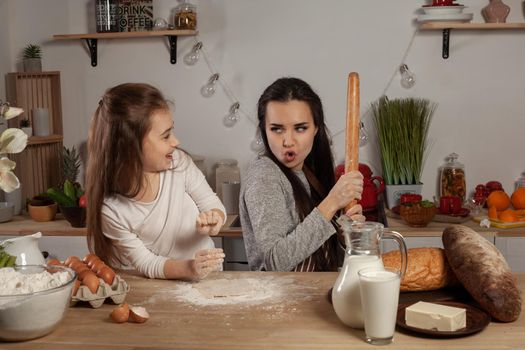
(500,224)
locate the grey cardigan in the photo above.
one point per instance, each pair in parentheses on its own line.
(274,237)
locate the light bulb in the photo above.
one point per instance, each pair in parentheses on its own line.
(363,137)
(408,79)
(232,117)
(193,56)
(209,89)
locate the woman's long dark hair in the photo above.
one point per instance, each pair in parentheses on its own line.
(117,130)
(320,159)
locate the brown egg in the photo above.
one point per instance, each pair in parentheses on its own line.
(107,274)
(120,314)
(96,266)
(77,265)
(91,281)
(82,274)
(70,259)
(138,314)
(52,262)
(75,287)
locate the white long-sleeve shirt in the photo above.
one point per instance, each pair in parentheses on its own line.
(145,235)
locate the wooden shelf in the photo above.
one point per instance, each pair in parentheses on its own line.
(39,140)
(471,26)
(92,39)
(447,26)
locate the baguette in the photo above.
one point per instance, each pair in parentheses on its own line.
(427,269)
(483,271)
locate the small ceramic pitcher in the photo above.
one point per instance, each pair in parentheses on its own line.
(25,248)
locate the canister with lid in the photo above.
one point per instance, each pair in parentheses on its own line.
(185,16)
(520,182)
(227,172)
(452,178)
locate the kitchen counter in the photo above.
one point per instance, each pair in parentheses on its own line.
(24,225)
(298,316)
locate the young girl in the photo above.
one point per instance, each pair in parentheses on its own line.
(289,195)
(149,207)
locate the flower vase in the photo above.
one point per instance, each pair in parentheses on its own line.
(495,12)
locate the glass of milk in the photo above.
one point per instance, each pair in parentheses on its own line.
(379,298)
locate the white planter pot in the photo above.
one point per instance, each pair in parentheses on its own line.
(394,192)
(32,65)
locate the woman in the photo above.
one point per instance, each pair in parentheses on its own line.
(289,195)
(149,207)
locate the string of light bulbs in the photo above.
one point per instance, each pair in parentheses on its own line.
(408,79)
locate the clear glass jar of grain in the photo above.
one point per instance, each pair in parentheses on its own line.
(185,16)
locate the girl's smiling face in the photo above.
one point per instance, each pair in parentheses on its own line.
(159,143)
(290,131)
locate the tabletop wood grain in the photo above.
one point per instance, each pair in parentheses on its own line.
(298,316)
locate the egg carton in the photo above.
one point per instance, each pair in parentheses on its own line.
(116,292)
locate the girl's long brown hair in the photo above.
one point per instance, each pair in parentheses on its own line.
(114,166)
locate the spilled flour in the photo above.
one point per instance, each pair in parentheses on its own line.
(224,291)
(264,291)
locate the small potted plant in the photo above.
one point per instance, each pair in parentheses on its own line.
(25,125)
(42,208)
(32,58)
(402,127)
(71,202)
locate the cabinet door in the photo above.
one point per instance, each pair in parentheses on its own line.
(512,249)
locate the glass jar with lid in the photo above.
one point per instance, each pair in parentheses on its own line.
(452,178)
(227,172)
(520,182)
(185,16)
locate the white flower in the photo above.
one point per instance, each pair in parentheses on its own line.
(8,180)
(12,140)
(12,112)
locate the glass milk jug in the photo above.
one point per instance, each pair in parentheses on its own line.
(363,251)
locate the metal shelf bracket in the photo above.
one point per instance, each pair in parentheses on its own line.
(173,48)
(92,46)
(446,43)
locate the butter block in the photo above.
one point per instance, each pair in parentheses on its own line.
(435,316)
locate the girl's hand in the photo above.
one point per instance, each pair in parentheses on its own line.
(356,213)
(346,189)
(209,223)
(206,261)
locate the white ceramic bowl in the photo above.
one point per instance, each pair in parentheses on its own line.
(7,210)
(33,315)
(443,10)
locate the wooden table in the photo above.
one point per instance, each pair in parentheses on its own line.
(301,318)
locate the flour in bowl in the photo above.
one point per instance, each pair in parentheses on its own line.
(13,282)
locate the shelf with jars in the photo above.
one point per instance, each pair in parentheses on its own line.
(92,39)
(448,26)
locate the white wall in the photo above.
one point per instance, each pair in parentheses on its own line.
(480,88)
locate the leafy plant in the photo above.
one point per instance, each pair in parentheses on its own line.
(25,123)
(402,128)
(6,260)
(32,51)
(70,164)
(68,196)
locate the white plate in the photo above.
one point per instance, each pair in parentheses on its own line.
(442,10)
(460,17)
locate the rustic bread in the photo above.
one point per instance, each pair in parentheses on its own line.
(483,271)
(427,269)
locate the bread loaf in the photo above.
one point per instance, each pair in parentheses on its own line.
(483,271)
(427,269)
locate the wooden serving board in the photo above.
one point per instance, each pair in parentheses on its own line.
(500,224)
(459,294)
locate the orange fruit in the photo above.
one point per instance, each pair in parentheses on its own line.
(518,198)
(493,213)
(498,199)
(508,215)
